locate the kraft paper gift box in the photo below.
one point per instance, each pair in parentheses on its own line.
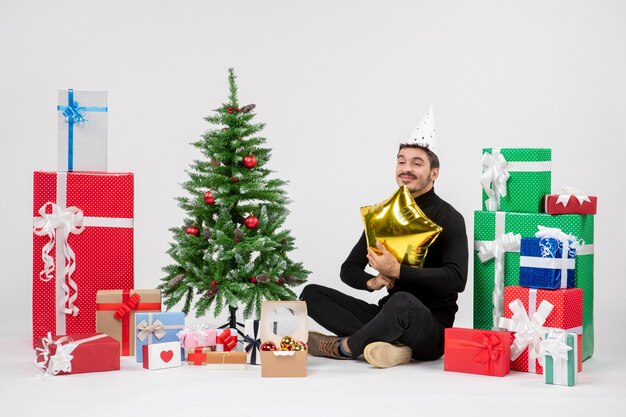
(151,328)
(225,360)
(515,179)
(530,313)
(82,243)
(82,135)
(198,355)
(161,355)
(116,310)
(472,351)
(560,351)
(252,341)
(491,232)
(197,335)
(280,319)
(547,263)
(77,354)
(570,201)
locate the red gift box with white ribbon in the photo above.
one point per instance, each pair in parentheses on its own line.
(77,354)
(82,243)
(530,313)
(570,200)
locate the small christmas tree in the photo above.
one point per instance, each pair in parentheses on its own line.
(231,250)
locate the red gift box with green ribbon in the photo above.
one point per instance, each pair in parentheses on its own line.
(474,351)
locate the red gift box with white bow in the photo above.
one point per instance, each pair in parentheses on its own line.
(474,351)
(77,354)
(570,201)
(82,243)
(530,313)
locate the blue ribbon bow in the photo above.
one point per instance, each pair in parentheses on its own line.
(74,113)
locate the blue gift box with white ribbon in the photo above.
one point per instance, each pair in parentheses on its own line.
(151,328)
(82,130)
(547,263)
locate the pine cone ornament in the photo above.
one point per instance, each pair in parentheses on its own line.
(176,280)
(262,279)
(238,235)
(211,292)
(289,279)
(206,233)
(247,108)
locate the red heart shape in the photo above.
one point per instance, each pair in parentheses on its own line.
(167,355)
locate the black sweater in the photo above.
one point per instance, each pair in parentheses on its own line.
(445,269)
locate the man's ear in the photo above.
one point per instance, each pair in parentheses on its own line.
(434,174)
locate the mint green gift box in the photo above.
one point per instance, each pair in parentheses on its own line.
(530,178)
(489,224)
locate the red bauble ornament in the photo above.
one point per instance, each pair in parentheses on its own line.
(279,281)
(251,221)
(268,346)
(208,198)
(192,230)
(253,280)
(213,283)
(249,161)
(236,108)
(230,110)
(235,179)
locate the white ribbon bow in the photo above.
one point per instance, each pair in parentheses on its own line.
(528,330)
(566,192)
(66,221)
(61,361)
(496,249)
(494,179)
(156,328)
(555,345)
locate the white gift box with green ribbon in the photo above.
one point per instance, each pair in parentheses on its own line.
(560,350)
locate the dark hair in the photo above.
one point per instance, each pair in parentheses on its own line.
(432,157)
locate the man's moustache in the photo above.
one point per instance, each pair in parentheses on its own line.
(407,174)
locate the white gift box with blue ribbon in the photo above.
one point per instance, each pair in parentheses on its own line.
(82,130)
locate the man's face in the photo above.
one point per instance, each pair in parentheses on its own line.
(413,170)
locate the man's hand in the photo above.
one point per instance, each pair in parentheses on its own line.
(380,281)
(386,264)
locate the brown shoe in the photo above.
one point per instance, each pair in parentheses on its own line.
(385,355)
(324,346)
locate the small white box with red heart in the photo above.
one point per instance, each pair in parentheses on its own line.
(161,355)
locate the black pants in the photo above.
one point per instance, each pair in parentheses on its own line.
(403,318)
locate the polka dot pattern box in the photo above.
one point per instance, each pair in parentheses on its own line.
(82,243)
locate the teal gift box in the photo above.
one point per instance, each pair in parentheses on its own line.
(489,227)
(151,328)
(560,350)
(516,179)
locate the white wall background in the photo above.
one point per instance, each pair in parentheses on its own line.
(339,84)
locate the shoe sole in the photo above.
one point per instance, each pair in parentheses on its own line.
(386,355)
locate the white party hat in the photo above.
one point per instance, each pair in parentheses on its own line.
(424,133)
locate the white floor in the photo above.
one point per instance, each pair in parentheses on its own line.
(332,388)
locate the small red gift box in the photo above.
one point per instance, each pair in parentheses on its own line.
(82,243)
(77,354)
(570,201)
(525,310)
(473,351)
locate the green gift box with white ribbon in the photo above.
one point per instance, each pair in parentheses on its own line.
(515,179)
(560,350)
(496,241)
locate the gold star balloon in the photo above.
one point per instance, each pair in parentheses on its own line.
(401,226)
